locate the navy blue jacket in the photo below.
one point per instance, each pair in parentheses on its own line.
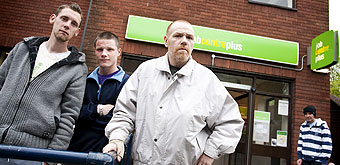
(89,134)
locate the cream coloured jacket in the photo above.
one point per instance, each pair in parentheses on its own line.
(175,118)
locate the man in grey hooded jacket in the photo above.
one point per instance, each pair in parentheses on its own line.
(42,84)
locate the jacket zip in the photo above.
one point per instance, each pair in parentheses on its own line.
(6,130)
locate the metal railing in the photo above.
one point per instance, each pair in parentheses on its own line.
(49,155)
(65,157)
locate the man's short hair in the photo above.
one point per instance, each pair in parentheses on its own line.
(107,35)
(73,6)
(167,30)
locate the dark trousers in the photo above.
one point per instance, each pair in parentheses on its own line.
(304,162)
(7,161)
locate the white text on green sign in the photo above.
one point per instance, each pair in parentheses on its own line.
(324,50)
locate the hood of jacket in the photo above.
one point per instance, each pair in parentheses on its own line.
(33,44)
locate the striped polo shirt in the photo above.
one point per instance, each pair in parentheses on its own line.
(315,143)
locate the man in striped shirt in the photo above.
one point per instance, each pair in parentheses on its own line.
(315,143)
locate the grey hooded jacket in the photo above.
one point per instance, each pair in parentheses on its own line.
(40,113)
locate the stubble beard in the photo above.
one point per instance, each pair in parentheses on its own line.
(60,37)
(181,59)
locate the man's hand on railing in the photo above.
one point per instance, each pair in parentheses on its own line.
(115,148)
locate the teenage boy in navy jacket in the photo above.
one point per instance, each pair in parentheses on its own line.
(102,89)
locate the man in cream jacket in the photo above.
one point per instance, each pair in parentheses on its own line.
(178,109)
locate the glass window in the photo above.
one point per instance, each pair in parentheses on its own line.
(271,131)
(242,99)
(239,156)
(130,62)
(264,160)
(272,86)
(130,65)
(280,3)
(237,159)
(232,81)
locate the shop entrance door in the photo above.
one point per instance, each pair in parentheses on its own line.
(239,157)
(264,106)
(240,154)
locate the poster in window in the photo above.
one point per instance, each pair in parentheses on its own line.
(281,137)
(283,107)
(261,126)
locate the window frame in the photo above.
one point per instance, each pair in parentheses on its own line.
(139,58)
(273,5)
(263,150)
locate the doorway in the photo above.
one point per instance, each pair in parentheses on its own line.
(264,105)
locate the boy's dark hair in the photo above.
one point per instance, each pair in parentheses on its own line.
(107,35)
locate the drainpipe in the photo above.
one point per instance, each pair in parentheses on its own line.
(85,27)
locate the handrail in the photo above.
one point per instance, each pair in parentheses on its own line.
(49,155)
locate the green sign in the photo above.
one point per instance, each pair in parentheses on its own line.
(281,132)
(324,50)
(219,41)
(261,116)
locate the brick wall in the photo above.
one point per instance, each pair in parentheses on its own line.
(310,20)
(20,19)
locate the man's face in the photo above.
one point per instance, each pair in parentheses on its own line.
(180,42)
(309,117)
(65,25)
(107,53)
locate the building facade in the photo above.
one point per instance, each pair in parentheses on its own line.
(271,95)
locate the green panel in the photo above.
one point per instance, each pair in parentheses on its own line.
(146,29)
(324,50)
(219,41)
(260,115)
(281,132)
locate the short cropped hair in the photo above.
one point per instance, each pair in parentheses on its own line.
(107,35)
(73,6)
(167,30)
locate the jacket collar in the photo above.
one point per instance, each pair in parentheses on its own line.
(33,44)
(35,41)
(118,76)
(186,70)
(318,122)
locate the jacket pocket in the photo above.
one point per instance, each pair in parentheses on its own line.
(141,143)
(41,124)
(197,118)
